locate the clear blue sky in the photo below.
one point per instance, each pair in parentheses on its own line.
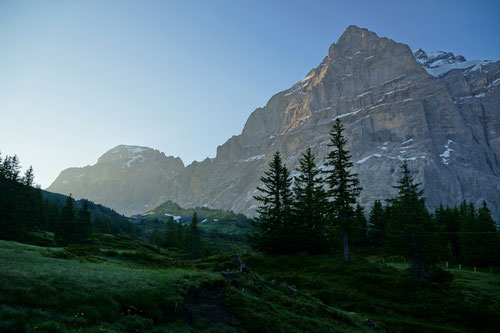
(80,77)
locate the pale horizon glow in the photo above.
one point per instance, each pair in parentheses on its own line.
(78,78)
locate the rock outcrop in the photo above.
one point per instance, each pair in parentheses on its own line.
(438,111)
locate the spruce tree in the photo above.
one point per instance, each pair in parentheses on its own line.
(170,236)
(29,177)
(273,221)
(83,223)
(155,237)
(360,227)
(309,206)
(377,223)
(65,227)
(490,241)
(413,227)
(448,221)
(193,243)
(479,242)
(343,183)
(14,168)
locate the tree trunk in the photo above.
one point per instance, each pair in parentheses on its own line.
(347,257)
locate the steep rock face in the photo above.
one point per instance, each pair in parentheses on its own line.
(438,111)
(127,178)
(447,127)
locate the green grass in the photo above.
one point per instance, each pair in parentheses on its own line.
(38,290)
(118,284)
(385,295)
(126,287)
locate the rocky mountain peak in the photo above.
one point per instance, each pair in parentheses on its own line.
(129,155)
(438,63)
(354,39)
(125,177)
(436,59)
(124,153)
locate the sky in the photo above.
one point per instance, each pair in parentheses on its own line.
(78,78)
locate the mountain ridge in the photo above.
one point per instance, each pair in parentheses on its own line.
(393,109)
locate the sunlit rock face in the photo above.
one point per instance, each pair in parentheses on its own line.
(438,111)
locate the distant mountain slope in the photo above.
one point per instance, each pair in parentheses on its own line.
(126,178)
(435,110)
(96,210)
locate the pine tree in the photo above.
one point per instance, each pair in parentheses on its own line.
(310,206)
(65,227)
(360,227)
(155,237)
(448,220)
(83,223)
(273,221)
(343,183)
(193,244)
(29,177)
(413,227)
(377,223)
(489,243)
(14,168)
(468,249)
(479,242)
(170,235)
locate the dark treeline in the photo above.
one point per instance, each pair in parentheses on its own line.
(25,208)
(21,205)
(184,237)
(321,208)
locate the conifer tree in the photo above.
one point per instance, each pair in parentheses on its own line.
(448,221)
(479,244)
(65,227)
(490,242)
(29,177)
(360,227)
(413,227)
(155,237)
(273,221)
(343,183)
(193,243)
(14,168)
(83,223)
(310,206)
(170,236)
(377,223)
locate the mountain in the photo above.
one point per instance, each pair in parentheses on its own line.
(436,110)
(126,178)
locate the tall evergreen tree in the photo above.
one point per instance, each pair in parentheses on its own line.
(65,227)
(193,244)
(343,183)
(310,206)
(412,225)
(377,223)
(83,223)
(360,227)
(448,222)
(479,243)
(273,221)
(170,236)
(14,168)
(490,242)
(29,177)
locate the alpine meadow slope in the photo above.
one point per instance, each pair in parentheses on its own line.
(435,110)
